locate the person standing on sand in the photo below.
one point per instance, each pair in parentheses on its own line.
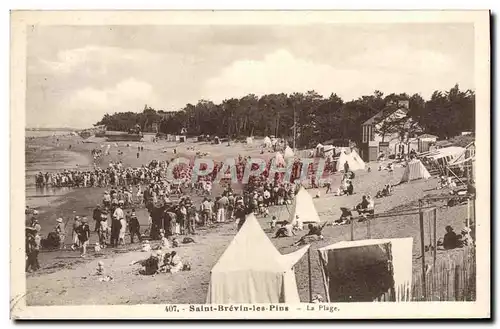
(61,232)
(96,216)
(134,227)
(33,241)
(116,225)
(84,235)
(103,228)
(76,227)
(123,226)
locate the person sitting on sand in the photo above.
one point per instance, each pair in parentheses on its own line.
(466,238)
(173,263)
(164,243)
(345,188)
(386,191)
(314,234)
(366,206)
(152,264)
(286,230)
(273,222)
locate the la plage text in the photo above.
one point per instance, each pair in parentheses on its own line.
(237,308)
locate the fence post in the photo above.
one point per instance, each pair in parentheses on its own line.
(456,282)
(352,229)
(422,246)
(435,239)
(467,224)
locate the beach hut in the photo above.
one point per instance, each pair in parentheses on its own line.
(304,208)
(367,270)
(267,142)
(251,270)
(415,170)
(288,153)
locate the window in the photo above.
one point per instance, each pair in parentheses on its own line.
(372,134)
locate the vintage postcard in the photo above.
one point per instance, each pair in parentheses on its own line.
(250,165)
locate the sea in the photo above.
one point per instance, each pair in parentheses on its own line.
(42,157)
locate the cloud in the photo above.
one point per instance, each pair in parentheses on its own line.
(91,104)
(389,70)
(95,60)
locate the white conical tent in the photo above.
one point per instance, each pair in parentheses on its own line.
(288,153)
(415,170)
(344,267)
(252,270)
(304,208)
(358,159)
(267,142)
(353,164)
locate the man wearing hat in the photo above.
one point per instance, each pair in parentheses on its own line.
(84,235)
(61,232)
(134,227)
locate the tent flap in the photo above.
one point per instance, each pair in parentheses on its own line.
(368,270)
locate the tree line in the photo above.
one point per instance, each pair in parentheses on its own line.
(318,119)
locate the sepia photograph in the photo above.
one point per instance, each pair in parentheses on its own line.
(250,164)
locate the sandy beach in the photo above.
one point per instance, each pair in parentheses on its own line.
(67,279)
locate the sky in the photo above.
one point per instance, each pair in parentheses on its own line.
(76,74)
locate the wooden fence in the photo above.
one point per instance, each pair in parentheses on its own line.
(450,280)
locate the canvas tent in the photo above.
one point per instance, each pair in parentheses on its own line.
(304,208)
(353,164)
(358,159)
(249,140)
(288,153)
(367,270)
(267,142)
(252,270)
(415,170)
